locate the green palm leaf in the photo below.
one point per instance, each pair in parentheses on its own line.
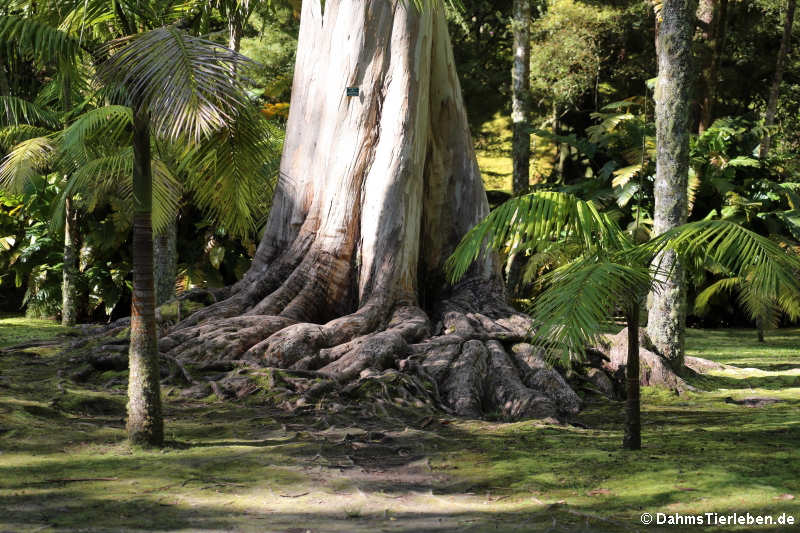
(771,272)
(35,38)
(523,221)
(17,111)
(579,300)
(25,160)
(185,82)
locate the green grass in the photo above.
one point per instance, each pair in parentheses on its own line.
(65,464)
(16,329)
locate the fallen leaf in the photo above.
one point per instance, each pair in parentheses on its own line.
(597,492)
(785,497)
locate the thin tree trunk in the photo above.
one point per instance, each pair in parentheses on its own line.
(145,424)
(70,297)
(667,307)
(520,96)
(165,254)
(772,104)
(714,14)
(633,426)
(70,271)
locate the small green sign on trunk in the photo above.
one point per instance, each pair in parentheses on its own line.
(352,91)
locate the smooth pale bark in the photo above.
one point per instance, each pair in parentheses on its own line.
(165,255)
(375,192)
(633,425)
(145,424)
(772,104)
(667,304)
(70,270)
(713,14)
(520,96)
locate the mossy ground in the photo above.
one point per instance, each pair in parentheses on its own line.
(65,464)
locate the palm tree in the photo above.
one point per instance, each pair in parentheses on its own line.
(175,93)
(612,272)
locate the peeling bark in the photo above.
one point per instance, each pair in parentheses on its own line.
(375,192)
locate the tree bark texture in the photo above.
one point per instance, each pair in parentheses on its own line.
(165,255)
(375,192)
(145,424)
(667,307)
(772,104)
(70,270)
(713,14)
(520,96)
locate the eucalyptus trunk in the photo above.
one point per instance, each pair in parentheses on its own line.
(667,306)
(70,297)
(165,254)
(772,104)
(633,425)
(375,192)
(520,96)
(145,424)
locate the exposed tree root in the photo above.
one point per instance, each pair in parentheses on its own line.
(654,369)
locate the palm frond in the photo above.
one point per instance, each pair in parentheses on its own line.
(186,83)
(232,174)
(35,38)
(11,135)
(108,126)
(703,300)
(579,301)
(112,175)
(17,111)
(523,221)
(25,160)
(771,272)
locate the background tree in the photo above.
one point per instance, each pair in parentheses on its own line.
(520,96)
(666,321)
(772,103)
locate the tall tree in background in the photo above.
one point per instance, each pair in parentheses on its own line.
(520,96)
(772,104)
(712,16)
(667,306)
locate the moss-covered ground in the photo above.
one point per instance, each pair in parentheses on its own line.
(65,464)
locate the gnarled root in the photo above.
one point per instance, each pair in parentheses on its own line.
(475,366)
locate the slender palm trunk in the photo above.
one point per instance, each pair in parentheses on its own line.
(772,105)
(145,424)
(667,307)
(520,82)
(633,426)
(70,271)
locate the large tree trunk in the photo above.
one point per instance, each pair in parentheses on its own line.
(375,191)
(667,308)
(145,424)
(772,104)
